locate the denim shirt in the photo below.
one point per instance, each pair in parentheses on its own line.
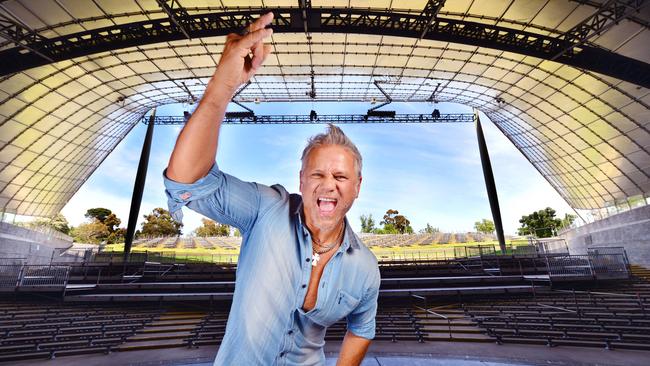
(267,325)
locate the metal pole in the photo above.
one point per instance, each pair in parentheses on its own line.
(489,182)
(138,187)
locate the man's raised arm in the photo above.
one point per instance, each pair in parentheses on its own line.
(196,146)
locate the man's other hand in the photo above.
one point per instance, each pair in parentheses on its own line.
(244,54)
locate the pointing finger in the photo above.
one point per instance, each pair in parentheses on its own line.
(252,38)
(261,22)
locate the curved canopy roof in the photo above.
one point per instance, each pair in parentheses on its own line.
(566,81)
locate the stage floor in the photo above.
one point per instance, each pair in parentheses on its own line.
(383,353)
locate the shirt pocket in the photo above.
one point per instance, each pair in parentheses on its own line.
(341,306)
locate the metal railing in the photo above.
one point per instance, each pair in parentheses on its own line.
(10,275)
(569,266)
(550,245)
(609,250)
(525,251)
(609,266)
(50,276)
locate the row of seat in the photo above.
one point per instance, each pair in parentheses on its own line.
(607,317)
(47,330)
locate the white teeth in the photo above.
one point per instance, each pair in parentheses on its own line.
(328,199)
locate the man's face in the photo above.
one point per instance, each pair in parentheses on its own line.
(329,184)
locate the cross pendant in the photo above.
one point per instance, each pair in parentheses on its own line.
(314,259)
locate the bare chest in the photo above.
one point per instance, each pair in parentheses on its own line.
(314,281)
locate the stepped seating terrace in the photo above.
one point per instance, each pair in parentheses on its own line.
(611,318)
(48,330)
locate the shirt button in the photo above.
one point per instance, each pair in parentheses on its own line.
(307,260)
(282,354)
(303,285)
(290,332)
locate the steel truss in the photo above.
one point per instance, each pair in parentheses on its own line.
(329,20)
(321,119)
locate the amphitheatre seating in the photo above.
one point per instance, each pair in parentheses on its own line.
(148,242)
(203,243)
(210,330)
(171,243)
(187,243)
(218,242)
(49,330)
(597,318)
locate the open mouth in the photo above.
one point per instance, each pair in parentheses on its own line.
(326,205)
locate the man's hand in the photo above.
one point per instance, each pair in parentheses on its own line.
(244,54)
(353,350)
(196,146)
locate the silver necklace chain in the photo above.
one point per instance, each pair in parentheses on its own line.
(326,247)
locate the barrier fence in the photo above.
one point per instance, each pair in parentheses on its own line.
(550,246)
(598,266)
(569,266)
(12,276)
(609,250)
(609,266)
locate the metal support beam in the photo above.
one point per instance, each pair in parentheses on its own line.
(324,119)
(22,36)
(609,15)
(430,13)
(327,20)
(432,97)
(177,14)
(388,98)
(138,186)
(192,98)
(489,182)
(305,8)
(239,92)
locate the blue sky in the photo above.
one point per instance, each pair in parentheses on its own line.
(430,173)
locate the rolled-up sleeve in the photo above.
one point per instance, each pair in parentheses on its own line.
(361,321)
(218,196)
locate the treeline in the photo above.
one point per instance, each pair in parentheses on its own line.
(103,226)
(540,224)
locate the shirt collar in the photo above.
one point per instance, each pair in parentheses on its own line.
(350,240)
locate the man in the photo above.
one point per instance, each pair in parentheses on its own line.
(301,267)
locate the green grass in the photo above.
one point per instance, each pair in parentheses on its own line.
(223,255)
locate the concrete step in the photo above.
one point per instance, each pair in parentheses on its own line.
(171,328)
(144,337)
(167,317)
(169,323)
(154,344)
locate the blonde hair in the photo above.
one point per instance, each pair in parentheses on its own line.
(333,136)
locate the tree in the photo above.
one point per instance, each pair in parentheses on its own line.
(429,229)
(58,223)
(160,223)
(387,229)
(568,220)
(93,232)
(112,233)
(112,222)
(484,226)
(541,224)
(211,228)
(367,223)
(399,222)
(98,213)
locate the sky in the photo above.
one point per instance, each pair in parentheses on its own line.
(430,173)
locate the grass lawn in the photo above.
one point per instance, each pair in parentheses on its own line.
(223,255)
